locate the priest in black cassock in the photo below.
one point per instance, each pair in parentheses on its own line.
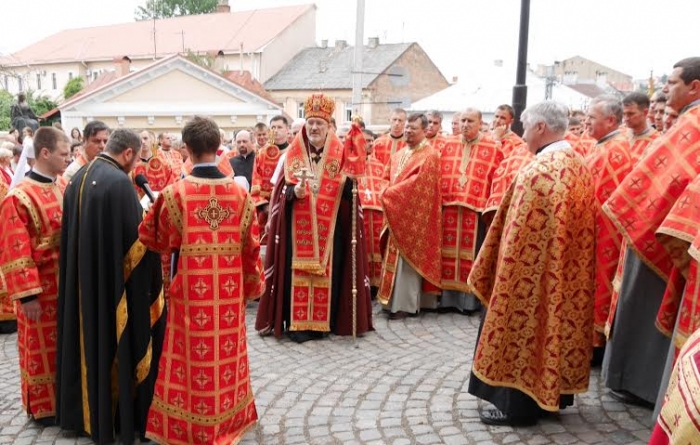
(110,307)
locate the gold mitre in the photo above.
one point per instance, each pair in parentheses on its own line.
(319,106)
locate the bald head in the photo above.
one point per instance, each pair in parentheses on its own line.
(244,142)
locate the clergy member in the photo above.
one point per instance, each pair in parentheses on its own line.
(209,222)
(385,146)
(244,162)
(412,213)
(95,137)
(501,133)
(610,162)
(30,217)
(165,141)
(638,342)
(434,131)
(110,306)
(635,107)
(308,262)
(467,170)
(535,274)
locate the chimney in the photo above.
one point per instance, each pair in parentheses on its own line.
(122,66)
(324,43)
(373,42)
(340,44)
(223,6)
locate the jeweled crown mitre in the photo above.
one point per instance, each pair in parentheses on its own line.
(319,106)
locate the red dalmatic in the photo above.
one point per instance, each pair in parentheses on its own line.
(369,188)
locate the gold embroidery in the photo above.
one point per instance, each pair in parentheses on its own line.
(144,366)
(173,209)
(201,420)
(213,213)
(22,263)
(49,241)
(210,249)
(27,202)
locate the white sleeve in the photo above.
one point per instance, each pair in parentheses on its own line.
(278,169)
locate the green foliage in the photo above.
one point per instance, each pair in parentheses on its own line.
(158,9)
(73,87)
(204,60)
(40,105)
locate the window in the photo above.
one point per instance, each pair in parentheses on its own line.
(300,110)
(38,81)
(348,112)
(70,75)
(20,84)
(53,81)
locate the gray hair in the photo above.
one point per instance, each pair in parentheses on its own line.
(611,106)
(121,139)
(8,146)
(555,115)
(434,113)
(5,153)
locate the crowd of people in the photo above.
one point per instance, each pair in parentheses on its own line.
(128,258)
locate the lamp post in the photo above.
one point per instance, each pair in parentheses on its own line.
(520,88)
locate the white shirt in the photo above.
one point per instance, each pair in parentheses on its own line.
(555,146)
(278,170)
(23,166)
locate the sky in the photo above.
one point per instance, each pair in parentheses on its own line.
(460,36)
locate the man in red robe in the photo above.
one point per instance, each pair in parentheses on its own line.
(209,222)
(501,133)
(8,319)
(173,156)
(641,321)
(95,136)
(411,205)
(635,107)
(610,162)
(535,274)
(370,187)
(30,217)
(266,162)
(385,146)
(309,259)
(434,131)
(467,170)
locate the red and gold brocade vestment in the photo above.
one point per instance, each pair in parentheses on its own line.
(644,199)
(369,188)
(640,143)
(412,212)
(509,142)
(203,392)
(174,158)
(535,274)
(467,171)
(386,146)
(7,306)
(29,253)
(505,174)
(266,161)
(610,163)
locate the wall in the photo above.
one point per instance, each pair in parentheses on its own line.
(578,70)
(424,79)
(300,35)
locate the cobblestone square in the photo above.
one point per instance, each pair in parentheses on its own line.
(405,384)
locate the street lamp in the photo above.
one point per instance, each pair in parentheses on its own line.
(520,88)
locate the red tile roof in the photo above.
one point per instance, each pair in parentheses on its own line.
(246,80)
(202,33)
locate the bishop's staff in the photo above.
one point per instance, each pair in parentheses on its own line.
(355,155)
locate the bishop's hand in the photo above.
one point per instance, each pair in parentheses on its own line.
(300,191)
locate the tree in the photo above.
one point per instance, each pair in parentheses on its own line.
(73,87)
(159,9)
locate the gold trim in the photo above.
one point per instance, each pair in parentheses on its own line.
(19,264)
(200,420)
(210,249)
(173,209)
(157,308)
(27,202)
(144,366)
(27,293)
(49,241)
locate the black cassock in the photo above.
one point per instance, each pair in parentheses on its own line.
(110,329)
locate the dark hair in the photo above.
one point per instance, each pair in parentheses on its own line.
(21,97)
(74,130)
(574,121)
(121,139)
(48,137)
(435,113)
(640,99)
(690,69)
(202,136)
(369,133)
(57,125)
(75,144)
(17,150)
(94,127)
(508,108)
(419,116)
(398,111)
(260,126)
(279,117)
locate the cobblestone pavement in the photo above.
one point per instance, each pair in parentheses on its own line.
(405,384)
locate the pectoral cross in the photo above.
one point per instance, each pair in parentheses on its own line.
(302,175)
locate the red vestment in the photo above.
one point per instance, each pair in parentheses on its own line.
(174,158)
(31,227)
(610,163)
(639,143)
(203,392)
(370,187)
(509,142)
(7,306)
(223,163)
(266,161)
(644,199)
(505,174)
(467,171)
(439,141)
(411,204)
(535,274)
(386,145)
(585,144)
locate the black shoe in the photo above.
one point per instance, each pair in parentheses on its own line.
(46,421)
(400,315)
(597,358)
(8,327)
(304,336)
(499,418)
(630,399)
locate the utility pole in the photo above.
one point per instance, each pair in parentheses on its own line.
(520,88)
(357,65)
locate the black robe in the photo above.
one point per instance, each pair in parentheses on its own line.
(101,215)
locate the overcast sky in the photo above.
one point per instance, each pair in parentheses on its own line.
(459,35)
